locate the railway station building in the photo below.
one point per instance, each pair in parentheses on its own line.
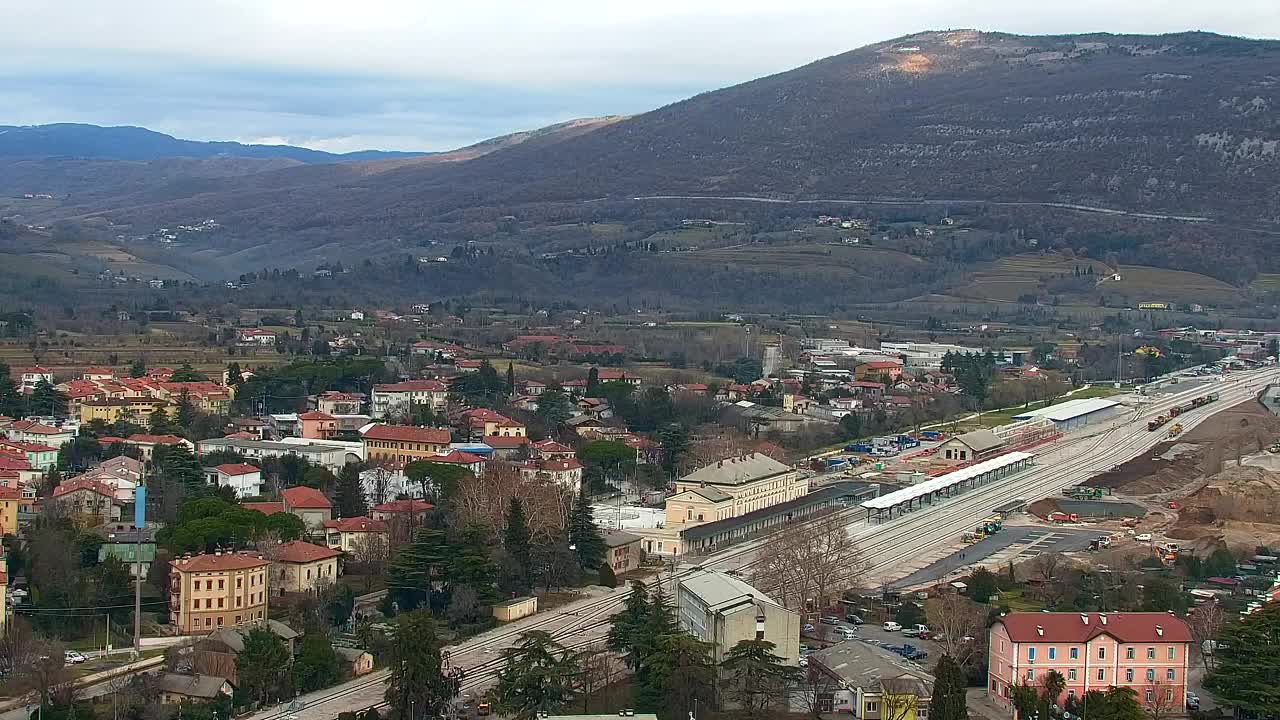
(910,499)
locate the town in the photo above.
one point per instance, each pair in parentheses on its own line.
(471,522)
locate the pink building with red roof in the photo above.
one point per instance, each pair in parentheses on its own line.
(1147,652)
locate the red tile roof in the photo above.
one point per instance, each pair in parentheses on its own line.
(303,497)
(500,442)
(413,386)
(241,436)
(217,563)
(551,446)
(30,426)
(297,551)
(407,433)
(882,364)
(559,465)
(1127,627)
(404,506)
(110,440)
(9,493)
(237,469)
(90,484)
(155,439)
(315,415)
(29,446)
(356,524)
(10,461)
(266,508)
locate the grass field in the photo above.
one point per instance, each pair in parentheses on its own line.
(1009,278)
(824,257)
(1266,282)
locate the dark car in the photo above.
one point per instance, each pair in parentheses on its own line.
(851,618)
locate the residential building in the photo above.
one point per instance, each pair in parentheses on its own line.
(482,422)
(39,455)
(408,508)
(30,431)
(245,479)
(567,473)
(549,449)
(403,443)
(349,534)
(884,371)
(136,410)
(871,683)
(308,504)
(89,499)
(507,448)
(732,487)
(357,662)
(135,548)
(719,608)
(301,567)
(210,591)
(177,688)
(399,399)
(29,377)
(331,455)
(339,403)
(1149,653)
(146,444)
(255,336)
(465,460)
(623,551)
(317,425)
(209,397)
(10,498)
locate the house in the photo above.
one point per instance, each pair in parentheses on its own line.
(358,662)
(87,498)
(720,609)
(339,403)
(29,377)
(622,550)
(135,548)
(565,472)
(586,426)
(255,336)
(318,425)
(356,315)
(299,566)
(1147,652)
(620,376)
(349,534)
(482,422)
(409,508)
(308,504)
(146,444)
(97,373)
(403,443)
(30,431)
(177,688)
(245,479)
(208,397)
(515,608)
(533,387)
(734,486)
(465,460)
(549,449)
(137,410)
(507,447)
(40,456)
(594,407)
(871,683)
(884,371)
(469,366)
(10,498)
(332,455)
(399,399)
(253,428)
(221,589)
(970,446)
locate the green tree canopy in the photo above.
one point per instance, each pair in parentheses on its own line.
(420,682)
(262,668)
(949,688)
(1248,664)
(756,679)
(538,675)
(584,534)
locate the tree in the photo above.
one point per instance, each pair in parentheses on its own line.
(235,375)
(417,566)
(45,399)
(817,561)
(1206,623)
(517,542)
(317,665)
(755,679)
(11,401)
(511,379)
(186,413)
(438,480)
(538,675)
(137,369)
(593,382)
(186,373)
(982,585)
(553,406)
(420,680)
(608,578)
(680,675)
(1053,683)
(1248,663)
(626,629)
(605,460)
(1117,703)
(851,426)
(909,614)
(262,667)
(957,622)
(674,439)
(584,534)
(949,686)
(348,494)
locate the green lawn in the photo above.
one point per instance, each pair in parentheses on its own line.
(1019,602)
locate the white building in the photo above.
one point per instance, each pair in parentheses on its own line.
(245,479)
(719,608)
(400,398)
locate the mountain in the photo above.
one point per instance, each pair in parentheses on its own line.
(135,143)
(1180,124)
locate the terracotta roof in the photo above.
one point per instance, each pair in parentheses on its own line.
(97,486)
(315,415)
(303,497)
(218,562)
(407,433)
(882,364)
(551,446)
(503,442)
(413,386)
(237,469)
(1127,627)
(456,457)
(9,493)
(404,506)
(240,436)
(356,524)
(31,426)
(298,551)
(559,465)
(110,439)
(155,439)
(266,508)
(9,461)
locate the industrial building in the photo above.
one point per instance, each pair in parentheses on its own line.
(719,608)
(1074,413)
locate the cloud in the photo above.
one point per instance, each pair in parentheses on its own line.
(433,75)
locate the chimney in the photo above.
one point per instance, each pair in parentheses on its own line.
(1084,618)
(1040,630)
(217,552)
(1102,617)
(1159,631)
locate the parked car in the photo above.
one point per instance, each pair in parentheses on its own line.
(1193,701)
(807,628)
(891,626)
(919,631)
(804,662)
(73,657)
(830,620)
(1144,537)
(855,619)
(910,652)
(846,632)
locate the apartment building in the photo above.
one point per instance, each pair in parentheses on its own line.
(719,608)
(399,399)
(302,567)
(209,591)
(1147,652)
(403,443)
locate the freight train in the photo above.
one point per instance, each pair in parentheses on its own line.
(1177,410)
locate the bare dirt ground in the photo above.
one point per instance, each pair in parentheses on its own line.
(1240,505)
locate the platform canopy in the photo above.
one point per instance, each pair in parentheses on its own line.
(942,482)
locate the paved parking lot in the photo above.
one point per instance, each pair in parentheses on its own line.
(1016,543)
(825,636)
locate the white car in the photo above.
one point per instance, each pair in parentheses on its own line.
(73,657)
(891,626)
(1144,537)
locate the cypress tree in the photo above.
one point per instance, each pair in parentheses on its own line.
(584,534)
(519,546)
(948,702)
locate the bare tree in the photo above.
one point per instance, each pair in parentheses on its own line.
(377,483)
(817,691)
(954,618)
(484,500)
(900,697)
(811,563)
(1205,623)
(370,555)
(600,668)
(1161,701)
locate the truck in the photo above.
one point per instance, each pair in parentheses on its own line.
(885,441)
(857,448)
(993,524)
(931,435)
(906,441)
(837,463)
(1062,517)
(1082,492)
(1175,430)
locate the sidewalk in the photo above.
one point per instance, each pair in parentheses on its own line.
(981,706)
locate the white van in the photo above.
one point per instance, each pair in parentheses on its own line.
(891,626)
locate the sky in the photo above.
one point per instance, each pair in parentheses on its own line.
(433,75)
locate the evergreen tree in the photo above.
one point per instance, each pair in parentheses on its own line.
(584,534)
(234,374)
(674,438)
(186,373)
(52,480)
(517,541)
(348,495)
(608,577)
(186,413)
(416,566)
(137,369)
(626,628)
(419,684)
(755,679)
(949,687)
(179,467)
(537,676)
(159,422)
(262,667)
(47,400)
(317,665)
(553,406)
(680,676)
(511,380)
(593,382)
(1248,664)
(11,401)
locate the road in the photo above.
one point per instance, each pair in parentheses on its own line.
(896,548)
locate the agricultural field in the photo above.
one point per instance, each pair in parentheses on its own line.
(1266,282)
(800,257)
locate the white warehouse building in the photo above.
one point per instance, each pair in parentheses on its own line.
(1074,413)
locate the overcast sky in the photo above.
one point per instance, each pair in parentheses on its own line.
(433,75)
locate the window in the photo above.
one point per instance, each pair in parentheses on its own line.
(219,621)
(1071,674)
(1168,695)
(1151,675)
(1053,653)
(1031,675)
(1173,652)
(208,603)
(208,584)
(238,601)
(1074,653)
(1002,646)
(1031,653)
(219,603)
(1102,653)
(208,622)
(195,604)
(1128,675)
(1102,674)
(873,707)
(239,583)
(1149,695)
(1168,675)
(237,619)
(222,584)
(1071,693)
(1151,653)
(1128,653)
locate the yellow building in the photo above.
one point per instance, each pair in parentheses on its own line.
(403,443)
(732,487)
(899,698)
(10,497)
(207,592)
(353,535)
(302,567)
(4,593)
(136,410)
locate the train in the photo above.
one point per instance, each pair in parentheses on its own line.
(1173,412)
